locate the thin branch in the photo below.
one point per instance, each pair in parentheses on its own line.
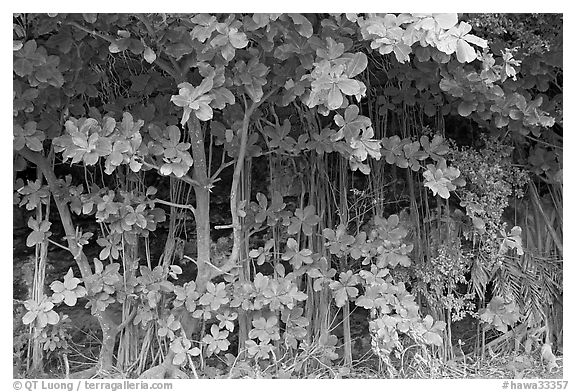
(126,322)
(224,227)
(142,18)
(178,71)
(176,205)
(546,180)
(222,167)
(173,71)
(218,269)
(91,32)
(266,121)
(251,233)
(543,142)
(555,83)
(275,116)
(209,263)
(255,105)
(58,245)
(161,63)
(165,67)
(210,152)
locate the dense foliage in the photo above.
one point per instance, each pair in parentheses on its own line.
(237,185)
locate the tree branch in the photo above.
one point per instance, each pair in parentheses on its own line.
(65,217)
(161,63)
(543,142)
(58,245)
(173,71)
(223,227)
(222,167)
(95,33)
(236,227)
(126,322)
(142,18)
(165,67)
(176,205)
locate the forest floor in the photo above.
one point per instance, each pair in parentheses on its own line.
(85,342)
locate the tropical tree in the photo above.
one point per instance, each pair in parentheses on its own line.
(124,116)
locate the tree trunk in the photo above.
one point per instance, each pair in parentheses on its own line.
(202,212)
(202,237)
(41,255)
(244,318)
(347,334)
(109,331)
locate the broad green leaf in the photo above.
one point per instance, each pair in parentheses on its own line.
(237,39)
(29,317)
(351,124)
(90,18)
(36,237)
(465,108)
(479,224)
(149,55)
(357,64)
(228,52)
(433,338)
(335,98)
(333,50)
(437,182)
(70,298)
(349,86)
(23,67)
(446,21)
(464,52)
(435,148)
(366,146)
(52,317)
(402,52)
(303,25)
(393,151)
